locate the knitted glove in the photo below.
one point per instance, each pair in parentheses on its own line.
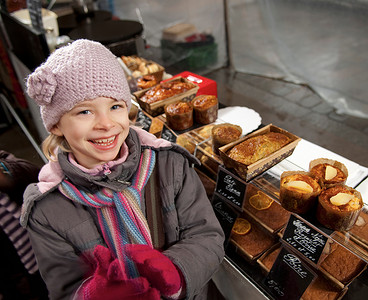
(157,268)
(110,283)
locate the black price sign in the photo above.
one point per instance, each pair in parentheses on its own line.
(304,239)
(35,13)
(289,276)
(230,187)
(225,214)
(144,120)
(168,135)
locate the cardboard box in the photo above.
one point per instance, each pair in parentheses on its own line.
(157,108)
(247,172)
(206,86)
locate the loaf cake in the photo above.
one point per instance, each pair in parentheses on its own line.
(321,288)
(223,134)
(165,90)
(258,147)
(255,242)
(298,191)
(179,115)
(205,109)
(339,207)
(267,212)
(269,259)
(342,264)
(328,172)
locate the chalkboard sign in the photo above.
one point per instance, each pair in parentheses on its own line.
(168,135)
(225,214)
(289,277)
(230,187)
(144,120)
(35,14)
(309,242)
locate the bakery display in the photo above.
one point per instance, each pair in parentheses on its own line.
(179,115)
(298,191)
(339,207)
(165,90)
(223,134)
(342,264)
(328,172)
(263,209)
(258,147)
(205,109)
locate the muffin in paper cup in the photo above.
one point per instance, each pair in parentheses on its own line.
(328,172)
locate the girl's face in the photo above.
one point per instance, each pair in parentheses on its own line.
(95,130)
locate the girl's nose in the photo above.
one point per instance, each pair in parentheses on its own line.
(104,121)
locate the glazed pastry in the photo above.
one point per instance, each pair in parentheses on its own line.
(205,109)
(339,207)
(223,134)
(146,82)
(258,147)
(165,90)
(179,115)
(328,172)
(298,191)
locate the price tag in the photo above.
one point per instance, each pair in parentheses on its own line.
(304,239)
(168,135)
(144,120)
(35,14)
(225,214)
(230,187)
(289,277)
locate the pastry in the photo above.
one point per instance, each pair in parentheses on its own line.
(223,134)
(360,229)
(165,90)
(270,258)
(258,147)
(205,109)
(179,115)
(339,207)
(321,288)
(254,242)
(298,191)
(186,142)
(342,264)
(328,172)
(146,82)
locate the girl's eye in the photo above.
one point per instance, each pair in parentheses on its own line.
(117,106)
(84,112)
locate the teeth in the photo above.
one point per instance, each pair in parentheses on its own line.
(105,142)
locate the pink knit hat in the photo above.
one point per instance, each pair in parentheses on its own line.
(79,71)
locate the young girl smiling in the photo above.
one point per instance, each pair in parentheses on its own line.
(117,213)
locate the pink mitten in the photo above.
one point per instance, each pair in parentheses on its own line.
(110,283)
(156,267)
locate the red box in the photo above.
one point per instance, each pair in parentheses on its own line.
(206,86)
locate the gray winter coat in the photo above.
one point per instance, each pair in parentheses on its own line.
(64,233)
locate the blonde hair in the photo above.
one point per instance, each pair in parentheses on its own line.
(51,143)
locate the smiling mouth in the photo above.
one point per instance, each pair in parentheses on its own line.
(104,142)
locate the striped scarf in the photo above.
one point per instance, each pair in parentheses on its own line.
(119,213)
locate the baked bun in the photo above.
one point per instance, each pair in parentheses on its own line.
(328,172)
(223,134)
(179,115)
(339,207)
(205,109)
(298,191)
(146,82)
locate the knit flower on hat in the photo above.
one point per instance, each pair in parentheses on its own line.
(42,85)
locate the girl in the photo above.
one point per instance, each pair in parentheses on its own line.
(117,213)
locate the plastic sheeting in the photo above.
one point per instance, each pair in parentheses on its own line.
(320,43)
(207,16)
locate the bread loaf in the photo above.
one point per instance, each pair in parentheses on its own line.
(258,147)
